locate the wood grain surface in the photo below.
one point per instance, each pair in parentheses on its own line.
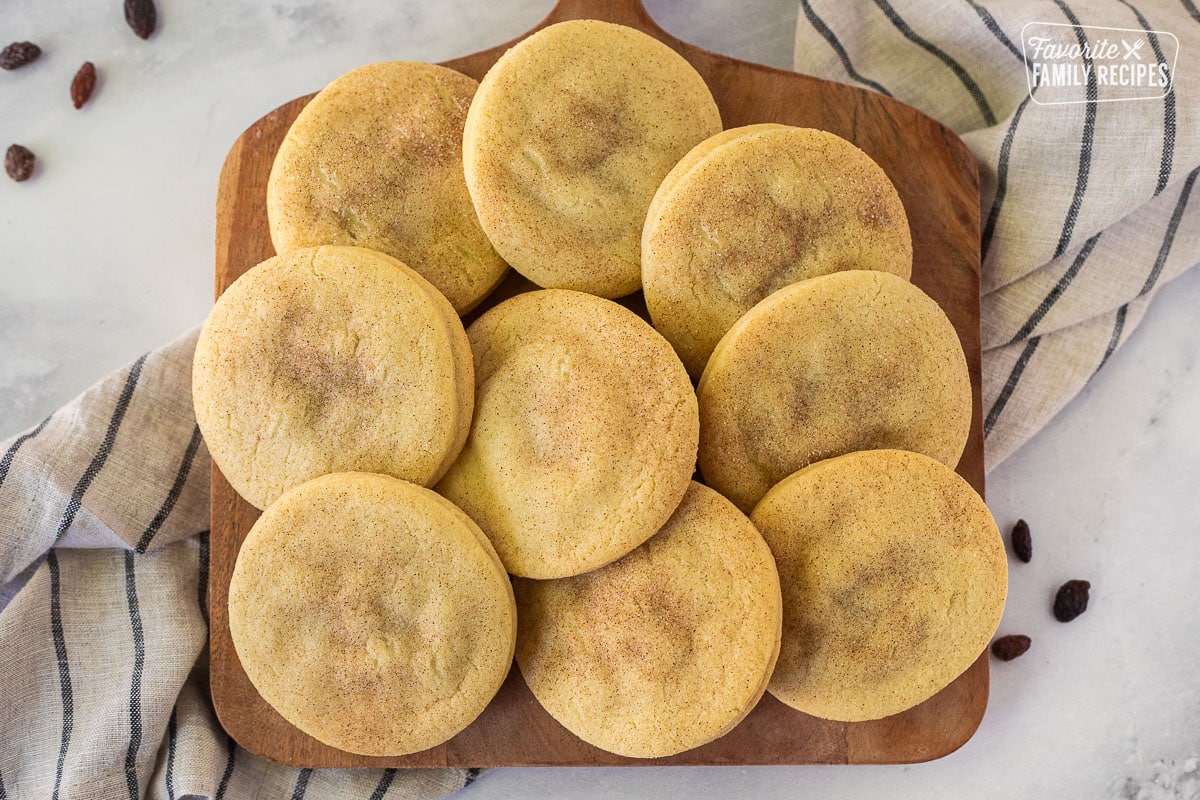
(937,180)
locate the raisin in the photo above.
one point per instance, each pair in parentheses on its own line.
(83,84)
(18,54)
(18,162)
(141,16)
(1022,543)
(1071,600)
(1006,648)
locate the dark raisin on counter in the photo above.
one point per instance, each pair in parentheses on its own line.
(1071,600)
(18,54)
(141,16)
(83,84)
(1022,542)
(1006,648)
(18,162)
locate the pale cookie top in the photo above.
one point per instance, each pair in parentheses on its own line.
(566,141)
(667,648)
(372,614)
(331,359)
(375,160)
(894,579)
(854,360)
(752,210)
(584,436)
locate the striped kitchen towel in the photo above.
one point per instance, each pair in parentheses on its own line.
(1087,201)
(104,610)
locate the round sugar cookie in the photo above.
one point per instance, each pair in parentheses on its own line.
(752,210)
(855,360)
(372,614)
(894,579)
(584,435)
(375,160)
(331,359)
(667,648)
(566,141)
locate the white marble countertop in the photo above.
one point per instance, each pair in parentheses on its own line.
(107,252)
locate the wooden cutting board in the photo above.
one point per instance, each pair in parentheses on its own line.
(938,182)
